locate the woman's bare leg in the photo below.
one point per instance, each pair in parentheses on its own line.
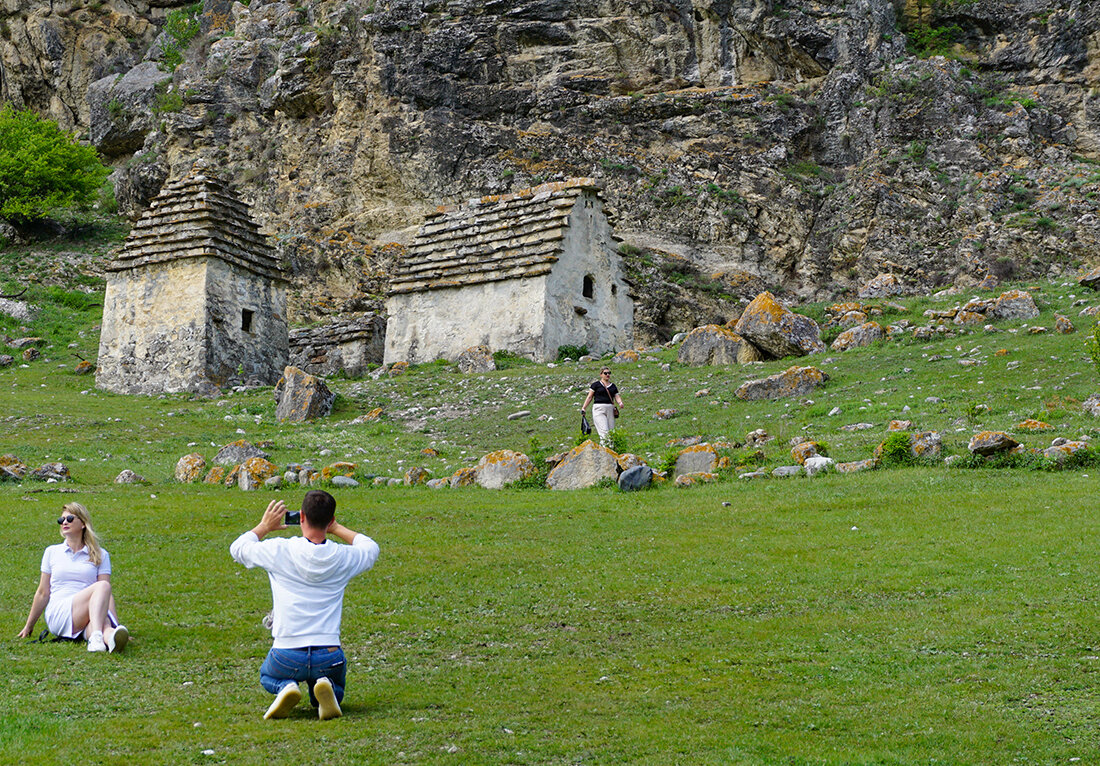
(90,608)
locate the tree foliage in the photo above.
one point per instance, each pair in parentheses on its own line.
(43,170)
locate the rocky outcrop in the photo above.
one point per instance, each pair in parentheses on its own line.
(709,345)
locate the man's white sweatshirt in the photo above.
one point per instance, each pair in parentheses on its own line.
(307,583)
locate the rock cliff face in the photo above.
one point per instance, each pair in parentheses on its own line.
(743,144)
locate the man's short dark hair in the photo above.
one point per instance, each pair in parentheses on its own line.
(319,508)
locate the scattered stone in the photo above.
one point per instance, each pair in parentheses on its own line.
(691,479)
(1091,279)
(6,360)
(27,342)
(499,469)
(777,331)
(216,475)
(1031,424)
(1092,405)
(753,475)
(626,461)
(991,442)
(709,345)
(818,464)
(339,468)
(855,466)
(83,367)
(254,472)
(969,318)
(301,397)
(900,425)
(1063,325)
(757,438)
(1014,305)
(397,368)
(18,310)
(636,478)
(1059,453)
(30,354)
(857,427)
(190,467)
(443,482)
(416,476)
(926,444)
(6,474)
(464,477)
(370,417)
(344,482)
(626,357)
(290,476)
(806,450)
(237,452)
(519,415)
(50,472)
(784,471)
(476,359)
(273,482)
(126,476)
(665,414)
(13,465)
(429,452)
(684,441)
(1037,330)
(583,466)
(858,337)
(795,381)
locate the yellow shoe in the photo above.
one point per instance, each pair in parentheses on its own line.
(284,702)
(327,706)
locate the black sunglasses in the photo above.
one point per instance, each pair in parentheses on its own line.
(66,519)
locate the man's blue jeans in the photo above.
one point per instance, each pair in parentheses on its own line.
(286,666)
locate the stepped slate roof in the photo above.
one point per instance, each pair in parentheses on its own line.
(495,238)
(198,216)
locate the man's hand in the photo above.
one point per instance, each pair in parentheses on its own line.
(272,520)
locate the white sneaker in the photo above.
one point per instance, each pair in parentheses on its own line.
(118,639)
(327,706)
(95,643)
(284,702)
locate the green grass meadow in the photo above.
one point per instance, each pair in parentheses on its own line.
(919,615)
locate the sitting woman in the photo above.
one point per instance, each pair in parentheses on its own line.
(75,589)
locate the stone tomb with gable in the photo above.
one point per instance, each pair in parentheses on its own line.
(525,272)
(196,300)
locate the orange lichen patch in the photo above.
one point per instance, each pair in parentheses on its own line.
(840,309)
(13,464)
(338,469)
(258,470)
(627,356)
(1001,352)
(233,477)
(374,414)
(804,451)
(698,448)
(190,467)
(83,367)
(240,444)
(764,306)
(430,452)
(215,475)
(416,475)
(1031,424)
(398,368)
(724,462)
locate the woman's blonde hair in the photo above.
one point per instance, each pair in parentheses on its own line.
(88,536)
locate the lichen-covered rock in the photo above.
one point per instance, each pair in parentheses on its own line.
(254,472)
(882,286)
(858,337)
(416,476)
(397,368)
(691,479)
(301,397)
(1014,305)
(443,482)
(628,356)
(476,359)
(794,381)
(774,329)
(1091,279)
(83,367)
(584,465)
(800,453)
(1092,405)
(786,471)
(991,442)
(926,444)
(757,438)
(899,425)
(126,476)
(50,472)
(503,467)
(216,475)
(1062,325)
(464,477)
(233,475)
(1031,424)
(855,466)
(189,468)
(818,464)
(709,345)
(237,452)
(31,354)
(968,318)
(13,465)
(1060,453)
(626,461)
(339,468)
(6,360)
(369,417)
(666,414)
(700,458)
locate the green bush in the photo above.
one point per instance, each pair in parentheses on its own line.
(505,360)
(42,169)
(572,352)
(181,26)
(1092,346)
(896,450)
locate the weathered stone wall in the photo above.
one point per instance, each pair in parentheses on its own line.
(588,249)
(505,316)
(180,326)
(347,345)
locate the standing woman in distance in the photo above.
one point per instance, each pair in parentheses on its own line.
(75,589)
(605,399)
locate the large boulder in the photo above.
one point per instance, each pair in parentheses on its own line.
(1014,305)
(701,458)
(476,359)
(794,381)
(237,452)
(882,286)
(772,328)
(635,478)
(501,468)
(857,337)
(583,466)
(301,396)
(709,344)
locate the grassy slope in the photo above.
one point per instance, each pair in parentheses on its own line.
(891,617)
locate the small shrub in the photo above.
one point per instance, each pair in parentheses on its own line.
(1092,346)
(896,450)
(572,352)
(506,360)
